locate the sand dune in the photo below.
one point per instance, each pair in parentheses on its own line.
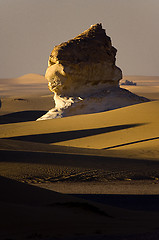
(31,78)
(86,148)
(101,157)
(24,85)
(49,214)
(26,96)
(13,108)
(122,128)
(44,212)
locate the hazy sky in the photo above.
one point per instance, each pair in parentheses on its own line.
(29,30)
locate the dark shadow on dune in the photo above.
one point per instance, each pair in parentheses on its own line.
(69,135)
(77,160)
(16,192)
(23,116)
(130,143)
(89,208)
(33,195)
(133,202)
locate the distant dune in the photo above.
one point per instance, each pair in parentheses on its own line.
(31,78)
(24,85)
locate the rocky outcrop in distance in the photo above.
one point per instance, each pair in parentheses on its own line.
(84,78)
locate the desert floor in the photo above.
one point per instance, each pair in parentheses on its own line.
(92,176)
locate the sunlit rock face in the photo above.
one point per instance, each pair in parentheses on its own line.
(83,76)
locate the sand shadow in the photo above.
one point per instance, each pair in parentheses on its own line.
(23,193)
(33,195)
(130,143)
(70,135)
(27,194)
(78,160)
(23,116)
(127,201)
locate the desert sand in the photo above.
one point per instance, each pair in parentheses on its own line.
(93,176)
(147,86)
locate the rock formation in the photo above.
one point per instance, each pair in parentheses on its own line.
(84,78)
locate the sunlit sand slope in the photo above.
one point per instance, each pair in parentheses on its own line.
(134,127)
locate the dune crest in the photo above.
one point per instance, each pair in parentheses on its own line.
(84,78)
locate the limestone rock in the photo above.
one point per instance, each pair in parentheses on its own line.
(84,78)
(76,67)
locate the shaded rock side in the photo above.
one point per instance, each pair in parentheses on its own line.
(77,67)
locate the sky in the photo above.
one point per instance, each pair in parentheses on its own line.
(31,28)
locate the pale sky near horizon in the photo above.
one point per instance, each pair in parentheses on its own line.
(31,28)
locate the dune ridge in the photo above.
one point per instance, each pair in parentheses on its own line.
(146,118)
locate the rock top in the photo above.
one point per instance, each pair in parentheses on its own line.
(92,46)
(84,61)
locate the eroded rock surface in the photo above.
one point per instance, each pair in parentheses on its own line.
(84,78)
(76,67)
